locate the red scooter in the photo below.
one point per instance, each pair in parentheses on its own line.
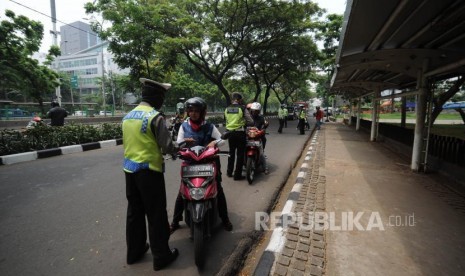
(253,152)
(199,190)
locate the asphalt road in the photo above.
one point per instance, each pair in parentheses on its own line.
(65,215)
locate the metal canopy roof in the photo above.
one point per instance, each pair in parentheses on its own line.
(384,44)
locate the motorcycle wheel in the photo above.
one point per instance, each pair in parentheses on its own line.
(199,244)
(250,169)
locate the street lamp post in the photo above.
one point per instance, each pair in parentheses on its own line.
(103,84)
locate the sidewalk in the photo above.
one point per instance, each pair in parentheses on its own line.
(357,209)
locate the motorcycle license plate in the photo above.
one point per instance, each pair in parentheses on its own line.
(253,143)
(197,170)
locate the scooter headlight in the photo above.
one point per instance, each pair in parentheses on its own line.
(197,193)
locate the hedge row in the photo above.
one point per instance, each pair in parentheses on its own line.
(46,137)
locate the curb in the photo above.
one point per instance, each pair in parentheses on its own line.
(278,237)
(40,154)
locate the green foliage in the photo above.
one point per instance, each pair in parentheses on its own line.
(20,37)
(218,38)
(46,137)
(216,120)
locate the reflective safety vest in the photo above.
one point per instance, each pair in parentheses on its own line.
(234,117)
(282,112)
(201,137)
(302,114)
(141,150)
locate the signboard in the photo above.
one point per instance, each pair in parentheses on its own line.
(74,82)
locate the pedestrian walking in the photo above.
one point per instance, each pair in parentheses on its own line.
(319,117)
(145,140)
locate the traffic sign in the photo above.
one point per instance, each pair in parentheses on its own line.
(74,82)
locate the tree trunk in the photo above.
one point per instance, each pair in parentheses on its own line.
(443,98)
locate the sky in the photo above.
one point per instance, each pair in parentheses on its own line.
(69,11)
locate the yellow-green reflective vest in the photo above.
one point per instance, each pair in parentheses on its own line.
(302,114)
(141,150)
(234,117)
(281,113)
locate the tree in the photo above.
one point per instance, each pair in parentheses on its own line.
(20,37)
(451,88)
(136,30)
(214,36)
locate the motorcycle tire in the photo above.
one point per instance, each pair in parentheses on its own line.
(199,244)
(250,169)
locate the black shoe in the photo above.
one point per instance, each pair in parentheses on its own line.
(229,174)
(227,225)
(173,227)
(165,261)
(133,261)
(239,177)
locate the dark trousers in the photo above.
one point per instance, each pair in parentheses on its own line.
(302,126)
(221,199)
(236,151)
(281,124)
(146,195)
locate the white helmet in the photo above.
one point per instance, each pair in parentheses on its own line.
(256,106)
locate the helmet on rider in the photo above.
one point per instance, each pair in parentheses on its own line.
(198,104)
(255,108)
(37,119)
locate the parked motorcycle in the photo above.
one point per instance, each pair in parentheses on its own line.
(36,121)
(199,189)
(253,152)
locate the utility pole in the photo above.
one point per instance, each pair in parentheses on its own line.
(55,42)
(103,84)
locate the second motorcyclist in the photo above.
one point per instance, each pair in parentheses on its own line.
(261,123)
(195,131)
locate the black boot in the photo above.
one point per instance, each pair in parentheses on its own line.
(165,260)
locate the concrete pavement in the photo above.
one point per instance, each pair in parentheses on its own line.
(357,209)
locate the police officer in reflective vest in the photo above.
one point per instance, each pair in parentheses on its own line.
(302,117)
(237,117)
(145,140)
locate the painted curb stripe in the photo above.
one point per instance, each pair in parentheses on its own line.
(71,149)
(19,157)
(90,146)
(48,153)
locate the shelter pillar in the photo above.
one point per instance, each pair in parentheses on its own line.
(359,113)
(374,115)
(420,110)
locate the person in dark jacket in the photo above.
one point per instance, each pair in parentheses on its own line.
(57,114)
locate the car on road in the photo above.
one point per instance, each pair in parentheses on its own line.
(103,113)
(291,113)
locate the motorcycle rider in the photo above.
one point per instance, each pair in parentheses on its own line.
(237,117)
(261,123)
(145,140)
(57,114)
(195,131)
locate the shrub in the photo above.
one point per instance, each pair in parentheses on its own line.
(46,137)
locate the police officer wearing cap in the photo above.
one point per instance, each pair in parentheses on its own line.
(237,118)
(145,140)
